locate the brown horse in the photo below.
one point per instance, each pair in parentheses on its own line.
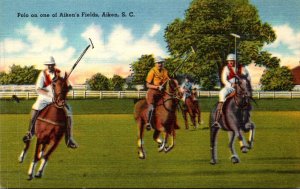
(50,127)
(192,108)
(164,118)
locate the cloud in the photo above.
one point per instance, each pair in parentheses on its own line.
(114,50)
(155,29)
(288,41)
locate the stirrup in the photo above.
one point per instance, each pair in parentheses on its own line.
(216,124)
(148,126)
(27,137)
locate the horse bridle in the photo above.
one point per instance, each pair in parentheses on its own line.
(172,96)
(241,93)
(56,98)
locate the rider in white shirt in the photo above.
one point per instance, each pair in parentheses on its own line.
(228,79)
(44,90)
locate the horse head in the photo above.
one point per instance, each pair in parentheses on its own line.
(243,89)
(60,89)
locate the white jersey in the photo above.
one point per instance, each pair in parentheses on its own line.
(42,99)
(225,77)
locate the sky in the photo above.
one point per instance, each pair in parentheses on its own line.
(31,31)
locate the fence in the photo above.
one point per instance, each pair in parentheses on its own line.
(84,94)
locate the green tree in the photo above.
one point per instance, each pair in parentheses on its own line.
(207,27)
(98,82)
(140,68)
(277,79)
(19,75)
(117,83)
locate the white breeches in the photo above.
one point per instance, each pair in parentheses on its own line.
(224,92)
(43,101)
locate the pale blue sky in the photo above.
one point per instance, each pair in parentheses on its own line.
(118,41)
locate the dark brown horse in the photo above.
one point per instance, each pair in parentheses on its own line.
(235,119)
(165,120)
(192,108)
(50,127)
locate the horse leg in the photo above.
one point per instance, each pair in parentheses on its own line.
(251,136)
(45,158)
(35,160)
(170,142)
(214,129)
(140,142)
(24,152)
(164,140)
(156,137)
(234,156)
(243,145)
(184,114)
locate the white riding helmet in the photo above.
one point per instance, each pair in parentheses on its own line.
(159,59)
(231,57)
(50,62)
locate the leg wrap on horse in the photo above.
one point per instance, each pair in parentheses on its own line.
(31,128)
(69,134)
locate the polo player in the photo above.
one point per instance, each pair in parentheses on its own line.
(45,97)
(187,88)
(156,77)
(228,79)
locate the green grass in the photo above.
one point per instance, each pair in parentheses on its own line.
(125,106)
(107,156)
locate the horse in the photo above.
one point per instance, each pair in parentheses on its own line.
(50,127)
(192,108)
(234,119)
(164,120)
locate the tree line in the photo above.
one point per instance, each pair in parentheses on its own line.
(28,75)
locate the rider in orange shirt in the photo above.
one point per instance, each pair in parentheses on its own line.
(156,77)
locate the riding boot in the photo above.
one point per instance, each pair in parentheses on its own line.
(150,114)
(28,136)
(69,134)
(219,111)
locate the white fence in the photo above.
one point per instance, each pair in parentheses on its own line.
(84,94)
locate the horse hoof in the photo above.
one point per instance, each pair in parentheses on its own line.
(141,155)
(161,147)
(30,177)
(20,159)
(213,162)
(168,148)
(235,159)
(38,175)
(244,149)
(250,145)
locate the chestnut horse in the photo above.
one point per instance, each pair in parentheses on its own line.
(50,127)
(192,108)
(235,118)
(164,120)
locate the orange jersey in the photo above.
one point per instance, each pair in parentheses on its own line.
(157,77)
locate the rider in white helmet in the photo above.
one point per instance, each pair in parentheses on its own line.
(45,97)
(228,79)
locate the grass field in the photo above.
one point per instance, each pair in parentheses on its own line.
(107,156)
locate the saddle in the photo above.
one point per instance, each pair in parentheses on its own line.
(53,115)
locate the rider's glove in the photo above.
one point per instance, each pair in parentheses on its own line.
(160,88)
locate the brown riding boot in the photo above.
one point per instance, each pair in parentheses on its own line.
(150,115)
(69,134)
(28,136)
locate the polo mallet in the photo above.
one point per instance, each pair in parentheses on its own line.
(80,57)
(190,54)
(235,51)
